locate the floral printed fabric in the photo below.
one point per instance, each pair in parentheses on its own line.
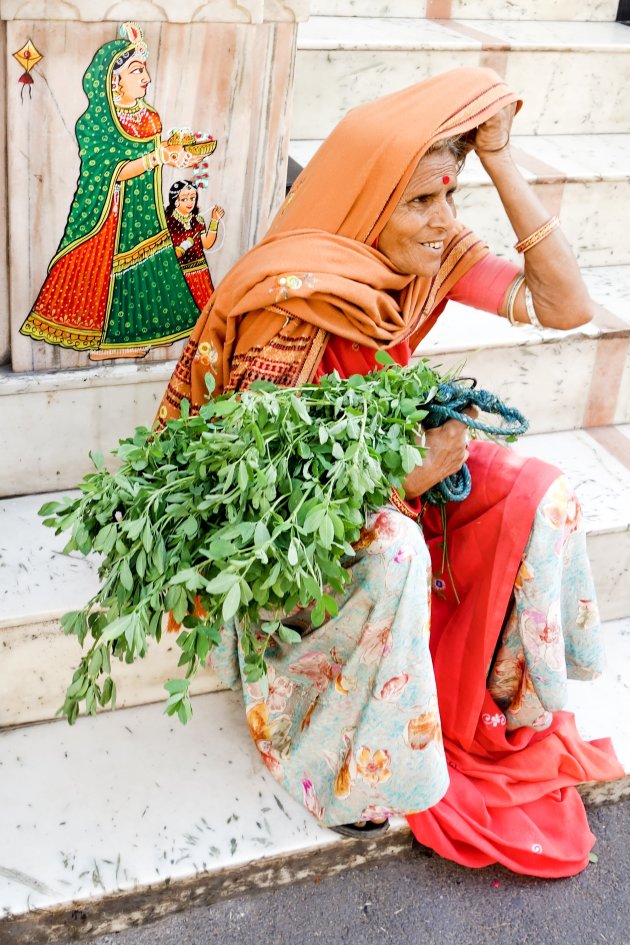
(347,720)
(553,629)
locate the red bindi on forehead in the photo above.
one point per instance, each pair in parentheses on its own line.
(446,179)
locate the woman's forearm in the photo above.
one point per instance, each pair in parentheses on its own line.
(552,274)
(132,169)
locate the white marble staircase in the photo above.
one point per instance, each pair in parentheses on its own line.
(129,816)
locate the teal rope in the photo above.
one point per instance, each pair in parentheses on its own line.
(450,400)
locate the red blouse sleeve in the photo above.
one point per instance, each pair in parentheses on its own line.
(484,286)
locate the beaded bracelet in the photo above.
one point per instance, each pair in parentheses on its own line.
(537,236)
(511,299)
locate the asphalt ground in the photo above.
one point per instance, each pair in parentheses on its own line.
(423,900)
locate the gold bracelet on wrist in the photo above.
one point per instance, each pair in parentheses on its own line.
(511,299)
(214,226)
(537,236)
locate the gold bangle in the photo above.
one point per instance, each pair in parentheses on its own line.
(534,238)
(511,299)
(214,226)
(146,161)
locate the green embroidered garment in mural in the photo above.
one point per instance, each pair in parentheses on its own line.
(115,280)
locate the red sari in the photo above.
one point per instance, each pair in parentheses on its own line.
(506,788)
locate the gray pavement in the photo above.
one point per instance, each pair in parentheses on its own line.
(420,900)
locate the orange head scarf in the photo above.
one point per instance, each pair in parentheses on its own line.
(315,272)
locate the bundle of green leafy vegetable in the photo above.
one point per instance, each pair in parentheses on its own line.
(243,512)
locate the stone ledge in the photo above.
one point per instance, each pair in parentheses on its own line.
(157,11)
(78,920)
(140,838)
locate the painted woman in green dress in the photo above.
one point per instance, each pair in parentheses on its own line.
(115,287)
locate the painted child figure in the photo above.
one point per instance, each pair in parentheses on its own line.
(191,237)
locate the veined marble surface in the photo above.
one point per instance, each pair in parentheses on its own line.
(601,482)
(610,286)
(469,9)
(530,34)
(545,62)
(37,581)
(133,798)
(338,32)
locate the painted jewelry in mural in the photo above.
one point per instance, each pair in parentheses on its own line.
(115,287)
(28,56)
(191,236)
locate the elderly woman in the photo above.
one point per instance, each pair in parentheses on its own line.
(434,692)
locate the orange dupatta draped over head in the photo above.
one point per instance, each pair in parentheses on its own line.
(315,273)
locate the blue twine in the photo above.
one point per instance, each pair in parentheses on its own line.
(450,400)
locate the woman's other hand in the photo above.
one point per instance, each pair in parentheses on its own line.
(494,134)
(447,451)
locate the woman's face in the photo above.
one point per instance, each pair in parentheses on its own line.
(133,81)
(413,238)
(186,200)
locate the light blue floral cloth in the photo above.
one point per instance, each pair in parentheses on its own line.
(348,721)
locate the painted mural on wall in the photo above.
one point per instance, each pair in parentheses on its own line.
(124,278)
(28,57)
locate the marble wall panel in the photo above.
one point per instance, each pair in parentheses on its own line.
(546,381)
(525,9)
(622,411)
(28,695)
(4,255)
(326,88)
(589,213)
(469,9)
(47,427)
(572,92)
(230,79)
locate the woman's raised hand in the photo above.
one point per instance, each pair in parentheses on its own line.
(494,135)
(447,451)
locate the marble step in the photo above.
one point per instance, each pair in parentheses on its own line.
(137,816)
(38,583)
(597,10)
(573,76)
(50,421)
(584,179)
(559,380)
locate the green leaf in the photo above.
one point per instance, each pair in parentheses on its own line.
(385,359)
(326,532)
(222,582)
(231,602)
(287,635)
(126,577)
(314,519)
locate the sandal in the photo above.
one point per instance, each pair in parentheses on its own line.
(367,831)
